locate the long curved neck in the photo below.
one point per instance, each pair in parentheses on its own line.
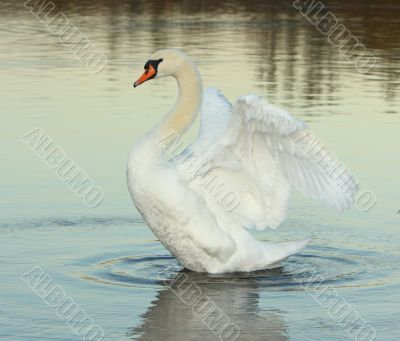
(177,121)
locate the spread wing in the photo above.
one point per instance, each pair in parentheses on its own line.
(254,153)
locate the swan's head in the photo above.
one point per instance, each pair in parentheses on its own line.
(161,64)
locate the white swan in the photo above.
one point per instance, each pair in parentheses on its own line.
(236,175)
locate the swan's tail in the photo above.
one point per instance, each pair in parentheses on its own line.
(279,252)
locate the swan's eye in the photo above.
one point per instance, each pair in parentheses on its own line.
(153,63)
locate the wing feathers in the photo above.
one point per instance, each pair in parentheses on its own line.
(260,146)
(282,131)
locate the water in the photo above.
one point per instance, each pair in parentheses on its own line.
(105,258)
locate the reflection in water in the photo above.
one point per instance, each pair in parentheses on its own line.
(288,51)
(176,315)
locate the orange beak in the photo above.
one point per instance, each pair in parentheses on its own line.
(148,74)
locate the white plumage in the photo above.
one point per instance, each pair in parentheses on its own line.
(236,175)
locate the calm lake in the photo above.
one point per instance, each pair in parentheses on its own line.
(105,258)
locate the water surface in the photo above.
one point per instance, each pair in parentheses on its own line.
(106,258)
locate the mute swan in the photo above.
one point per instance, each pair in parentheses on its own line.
(252,148)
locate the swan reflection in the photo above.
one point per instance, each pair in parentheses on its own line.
(195,306)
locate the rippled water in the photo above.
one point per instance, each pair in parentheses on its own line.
(105,258)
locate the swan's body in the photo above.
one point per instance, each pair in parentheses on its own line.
(236,175)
